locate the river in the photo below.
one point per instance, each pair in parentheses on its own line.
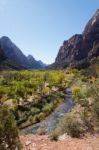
(51,122)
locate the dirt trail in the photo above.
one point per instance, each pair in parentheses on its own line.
(35,142)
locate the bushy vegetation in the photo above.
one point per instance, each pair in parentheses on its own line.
(70,124)
(9,138)
(84,116)
(33,95)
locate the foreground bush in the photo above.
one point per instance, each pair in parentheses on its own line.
(70,124)
(9,139)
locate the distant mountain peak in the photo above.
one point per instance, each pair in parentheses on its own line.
(31,57)
(42,64)
(34,63)
(5,38)
(40,61)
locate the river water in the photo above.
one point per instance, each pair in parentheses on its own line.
(51,122)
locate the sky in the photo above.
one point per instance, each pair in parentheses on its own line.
(39,27)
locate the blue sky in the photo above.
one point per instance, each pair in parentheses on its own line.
(39,27)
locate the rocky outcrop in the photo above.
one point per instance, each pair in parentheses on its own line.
(42,64)
(80,48)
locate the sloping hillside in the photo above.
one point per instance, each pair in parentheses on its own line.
(15,57)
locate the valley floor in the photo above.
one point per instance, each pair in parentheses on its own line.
(35,142)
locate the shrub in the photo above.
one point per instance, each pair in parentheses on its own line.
(84,79)
(34,111)
(9,139)
(84,103)
(54,135)
(41,131)
(71,125)
(41,116)
(96,109)
(46,90)
(76,92)
(47,108)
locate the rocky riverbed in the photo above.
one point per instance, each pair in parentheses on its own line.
(51,122)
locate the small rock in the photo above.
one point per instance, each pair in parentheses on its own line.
(27,143)
(63,137)
(33,145)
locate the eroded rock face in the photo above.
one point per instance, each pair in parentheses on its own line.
(80,48)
